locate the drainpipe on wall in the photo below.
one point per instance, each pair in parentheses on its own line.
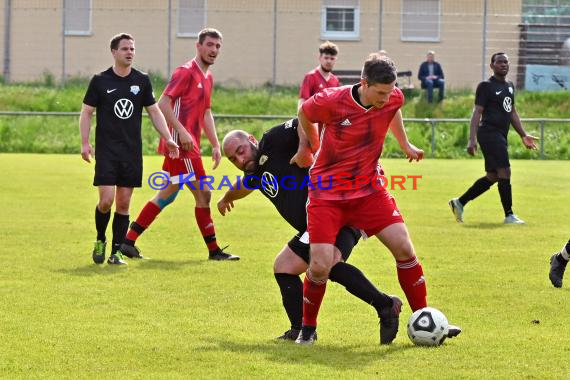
(484,43)
(274,80)
(381,24)
(63,43)
(169,36)
(7,37)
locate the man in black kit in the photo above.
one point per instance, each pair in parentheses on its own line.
(493,114)
(267,168)
(119,95)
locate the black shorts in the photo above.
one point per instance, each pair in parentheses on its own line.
(345,241)
(118,173)
(494,148)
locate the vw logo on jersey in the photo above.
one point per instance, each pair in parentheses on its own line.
(123,108)
(508,104)
(269,184)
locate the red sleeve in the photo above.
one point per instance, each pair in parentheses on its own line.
(305,91)
(318,107)
(181,79)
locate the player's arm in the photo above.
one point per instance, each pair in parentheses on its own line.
(85,128)
(528,140)
(475,119)
(397,128)
(238,191)
(159,123)
(210,131)
(185,138)
(308,141)
(300,103)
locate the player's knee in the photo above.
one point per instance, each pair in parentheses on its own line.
(278,265)
(319,270)
(404,250)
(203,198)
(122,207)
(492,177)
(162,203)
(105,205)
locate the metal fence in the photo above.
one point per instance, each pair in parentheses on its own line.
(539,123)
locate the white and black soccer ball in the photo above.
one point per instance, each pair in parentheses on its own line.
(428,327)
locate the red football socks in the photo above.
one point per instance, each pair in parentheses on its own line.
(206,225)
(313,293)
(411,277)
(145,218)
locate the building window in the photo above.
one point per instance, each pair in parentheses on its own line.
(340,19)
(191,17)
(77,17)
(420,20)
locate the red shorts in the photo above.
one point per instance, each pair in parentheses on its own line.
(180,169)
(371,214)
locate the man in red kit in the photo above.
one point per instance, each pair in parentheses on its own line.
(321,77)
(355,122)
(185,104)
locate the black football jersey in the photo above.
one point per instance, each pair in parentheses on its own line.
(285,185)
(497,99)
(119,102)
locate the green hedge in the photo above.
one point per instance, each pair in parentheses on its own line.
(51,134)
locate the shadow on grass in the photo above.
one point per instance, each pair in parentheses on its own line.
(341,357)
(152,264)
(113,270)
(483,226)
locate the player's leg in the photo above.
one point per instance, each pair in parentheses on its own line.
(200,188)
(289,264)
(129,177)
(120,222)
(145,218)
(324,221)
(410,272)
(150,211)
(356,283)
(558,263)
(105,178)
(506,195)
(488,148)
(377,215)
(102,217)
(205,223)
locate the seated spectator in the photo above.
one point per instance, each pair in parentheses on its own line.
(431,75)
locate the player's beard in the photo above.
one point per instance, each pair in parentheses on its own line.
(326,70)
(250,167)
(205,63)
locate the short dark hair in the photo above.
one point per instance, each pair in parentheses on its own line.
(494,56)
(379,69)
(117,39)
(328,47)
(209,32)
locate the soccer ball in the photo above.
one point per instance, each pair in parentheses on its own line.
(428,327)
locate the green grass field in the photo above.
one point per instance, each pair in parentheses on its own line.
(180,316)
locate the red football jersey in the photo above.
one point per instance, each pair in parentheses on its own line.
(190,90)
(314,82)
(351,142)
